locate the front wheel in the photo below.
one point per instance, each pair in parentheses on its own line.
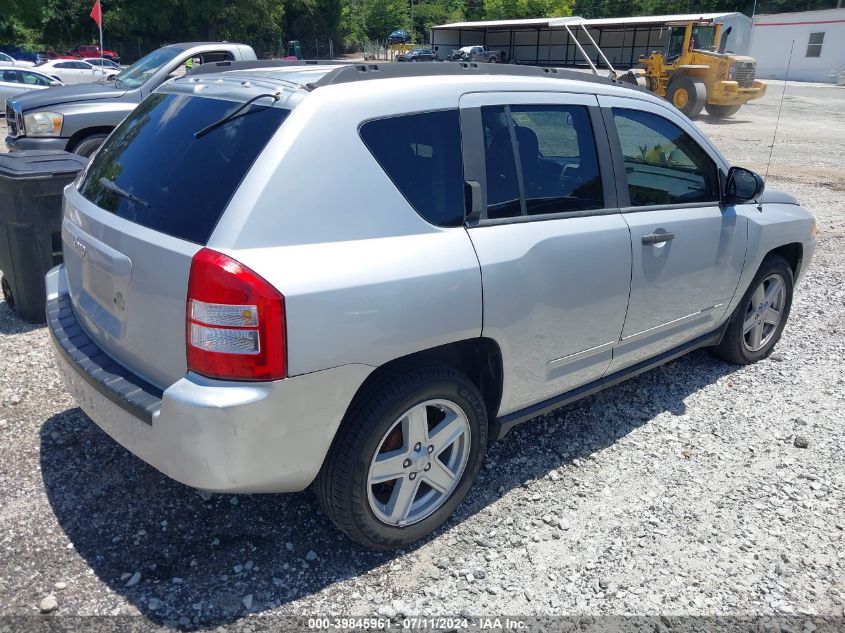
(90,144)
(758,321)
(405,456)
(688,94)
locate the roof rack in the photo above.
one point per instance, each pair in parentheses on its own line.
(347,72)
(363,72)
(224,66)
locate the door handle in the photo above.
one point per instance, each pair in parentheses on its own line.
(657,238)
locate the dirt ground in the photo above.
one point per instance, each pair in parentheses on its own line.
(684,492)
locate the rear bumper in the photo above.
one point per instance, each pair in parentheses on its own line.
(208,434)
(24,142)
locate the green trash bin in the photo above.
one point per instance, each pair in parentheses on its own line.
(31,188)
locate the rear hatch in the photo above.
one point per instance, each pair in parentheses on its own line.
(148,201)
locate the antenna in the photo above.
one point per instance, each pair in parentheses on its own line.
(780,109)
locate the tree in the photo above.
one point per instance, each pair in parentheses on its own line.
(518,9)
(384,16)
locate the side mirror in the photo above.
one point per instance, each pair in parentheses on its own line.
(743,185)
(54,83)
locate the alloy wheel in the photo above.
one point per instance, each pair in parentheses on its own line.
(419,462)
(764,313)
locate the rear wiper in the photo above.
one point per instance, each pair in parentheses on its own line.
(105,183)
(210,128)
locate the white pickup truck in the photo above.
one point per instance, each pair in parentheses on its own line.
(477,54)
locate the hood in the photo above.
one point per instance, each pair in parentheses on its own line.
(776,196)
(58,95)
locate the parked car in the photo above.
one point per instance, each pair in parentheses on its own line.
(81,117)
(472,253)
(8,60)
(74,71)
(15,80)
(105,64)
(86,51)
(417,55)
(478,54)
(51,54)
(399,36)
(18,53)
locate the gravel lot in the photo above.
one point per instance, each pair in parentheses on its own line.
(682,492)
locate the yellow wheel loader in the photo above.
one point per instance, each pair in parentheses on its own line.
(693,74)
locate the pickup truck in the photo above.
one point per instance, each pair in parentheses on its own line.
(79,118)
(87,51)
(477,54)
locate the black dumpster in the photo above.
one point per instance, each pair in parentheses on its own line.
(31,185)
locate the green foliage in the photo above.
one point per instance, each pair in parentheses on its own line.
(383,16)
(517,9)
(134,27)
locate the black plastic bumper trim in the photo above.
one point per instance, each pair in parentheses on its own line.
(131,393)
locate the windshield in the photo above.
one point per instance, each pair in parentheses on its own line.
(703,37)
(138,73)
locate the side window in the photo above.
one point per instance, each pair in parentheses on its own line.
(503,198)
(34,80)
(663,164)
(421,153)
(556,154)
(66,65)
(814,45)
(11,76)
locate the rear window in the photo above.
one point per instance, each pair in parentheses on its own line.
(421,153)
(153,171)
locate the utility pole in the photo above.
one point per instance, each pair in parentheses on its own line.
(412,21)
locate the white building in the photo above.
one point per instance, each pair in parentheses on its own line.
(546,41)
(816,38)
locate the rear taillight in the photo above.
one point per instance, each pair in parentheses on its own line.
(235,321)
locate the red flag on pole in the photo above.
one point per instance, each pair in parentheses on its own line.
(97,14)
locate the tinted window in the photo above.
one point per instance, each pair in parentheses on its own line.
(178,184)
(663,164)
(421,153)
(557,154)
(557,159)
(66,65)
(11,76)
(503,199)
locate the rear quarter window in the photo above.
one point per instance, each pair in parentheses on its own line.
(176,183)
(421,153)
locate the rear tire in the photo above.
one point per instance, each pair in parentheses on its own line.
(385,420)
(756,312)
(721,111)
(688,94)
(89,144)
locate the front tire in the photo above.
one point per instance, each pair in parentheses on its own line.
(405,456)
(688,94)
(90,144)
(721,111)
(758,321)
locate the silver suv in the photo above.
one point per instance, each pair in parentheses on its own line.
(358,277)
